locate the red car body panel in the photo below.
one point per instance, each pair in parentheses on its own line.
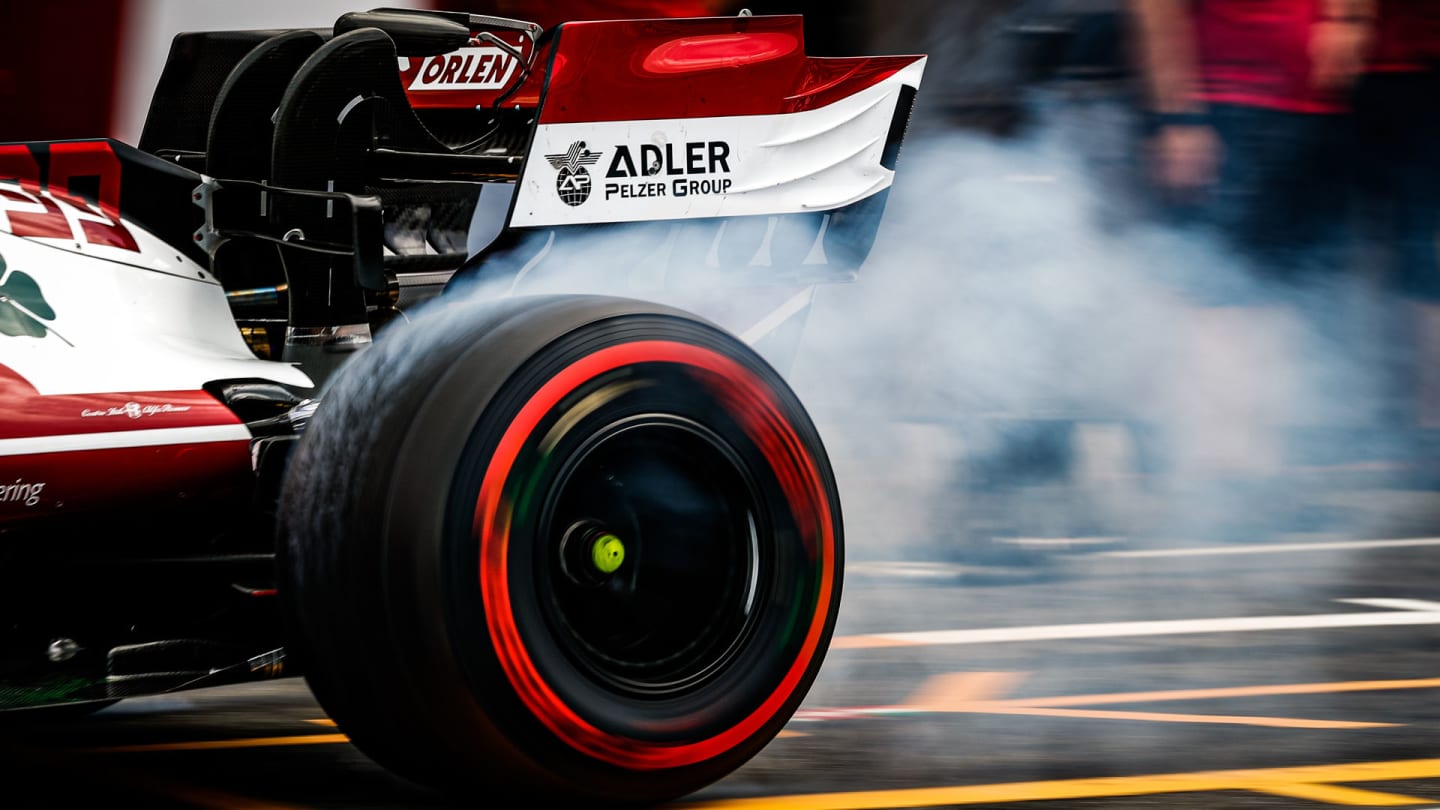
(64,454)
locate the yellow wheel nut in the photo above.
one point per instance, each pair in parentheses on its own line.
(608,553)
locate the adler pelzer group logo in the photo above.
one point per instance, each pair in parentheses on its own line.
(573,183)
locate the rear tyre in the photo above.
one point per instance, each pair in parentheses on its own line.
(574,547)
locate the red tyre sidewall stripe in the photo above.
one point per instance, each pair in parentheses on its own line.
(749,401)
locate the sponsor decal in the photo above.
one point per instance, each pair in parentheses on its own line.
(23,308)
(22,492)
(134,410)
(692,169)
(475,68)
(573,183)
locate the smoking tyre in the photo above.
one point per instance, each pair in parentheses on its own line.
(576,548)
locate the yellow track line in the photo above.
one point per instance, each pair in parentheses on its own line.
(216,745)
(1337,794)
(1311,779)
(1225,692)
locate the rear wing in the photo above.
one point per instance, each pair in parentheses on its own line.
(719,120)
(724,125)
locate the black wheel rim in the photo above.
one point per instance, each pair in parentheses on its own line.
(651,563)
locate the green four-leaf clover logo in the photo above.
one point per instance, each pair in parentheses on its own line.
(23,308)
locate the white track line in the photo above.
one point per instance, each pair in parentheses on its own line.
(1278,548)
(1417,613)
(915,570)
(1394,604)
(939,570)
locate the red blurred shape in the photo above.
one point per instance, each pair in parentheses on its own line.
(62,64)
(717,51)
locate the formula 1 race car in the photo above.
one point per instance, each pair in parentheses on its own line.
(580,546)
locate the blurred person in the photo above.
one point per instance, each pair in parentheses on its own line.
(1249,106)
(1249,148)
(1398,123)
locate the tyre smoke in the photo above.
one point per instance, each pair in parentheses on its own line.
(1027,356)
(1023,358)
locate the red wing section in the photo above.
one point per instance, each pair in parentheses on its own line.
(648,69)
(636,70)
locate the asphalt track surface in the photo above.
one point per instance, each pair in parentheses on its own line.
(1289,673)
